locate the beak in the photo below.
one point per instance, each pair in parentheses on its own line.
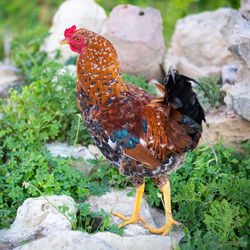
(64,41)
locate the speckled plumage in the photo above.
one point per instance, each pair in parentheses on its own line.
(143,136)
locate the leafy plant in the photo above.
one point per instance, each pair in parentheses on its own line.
(211,98)
(204,196)
(25,50)
(140,81)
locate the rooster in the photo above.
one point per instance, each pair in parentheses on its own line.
(143,136)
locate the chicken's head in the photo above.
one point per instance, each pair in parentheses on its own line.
(75,39)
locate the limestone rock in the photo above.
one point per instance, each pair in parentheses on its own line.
(136,34)
(245,8)
(63,150)
(94,150)
(142,242)
(84,14)
(118,201)
(8,78)
(227,126)
(200,43)
(240,43)
(238,96)
(228,74)
(67,240)
(36,218)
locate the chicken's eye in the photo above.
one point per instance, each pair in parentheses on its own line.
(77,38)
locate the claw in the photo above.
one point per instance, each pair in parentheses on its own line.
(169,218)
(165,229)
(136,213)
(128,220)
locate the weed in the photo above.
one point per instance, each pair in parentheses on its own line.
(212,98)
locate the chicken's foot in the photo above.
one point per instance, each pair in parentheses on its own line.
(136,213)
(169,218)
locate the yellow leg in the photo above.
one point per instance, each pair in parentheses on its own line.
(169,218)
(136,213)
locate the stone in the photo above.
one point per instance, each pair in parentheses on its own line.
(199,46)
(143,242)
(225,87)
(223,124)
(37,218)
(238,96)
(8,78)
(245,8)
(77,240)
(84,14)
(240,43)
(63,150)
(94,150)
(228,74)
(68,240)
(136,34)
(118,201)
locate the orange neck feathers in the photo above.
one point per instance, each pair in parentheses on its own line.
(98,71)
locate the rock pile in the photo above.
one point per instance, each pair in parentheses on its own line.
(238,96)
(40,226)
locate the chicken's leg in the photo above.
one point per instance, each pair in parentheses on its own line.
(136,213)
(165,188)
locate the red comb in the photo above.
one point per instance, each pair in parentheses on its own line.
(70,31)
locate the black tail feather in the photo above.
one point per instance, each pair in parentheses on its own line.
(180,94)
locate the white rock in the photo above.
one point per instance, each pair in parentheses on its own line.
(8,78)
(142,242)
(189,69)
(94,150)
(245,8)
(240,43)
(63,150)
(225,87)
(136,34)
(118,201)
(238,96)
(68,240)
(228,74)
(225,125)
(84,14)
(200,42)
(36,218)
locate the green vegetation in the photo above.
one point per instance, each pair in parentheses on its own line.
(209,95)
